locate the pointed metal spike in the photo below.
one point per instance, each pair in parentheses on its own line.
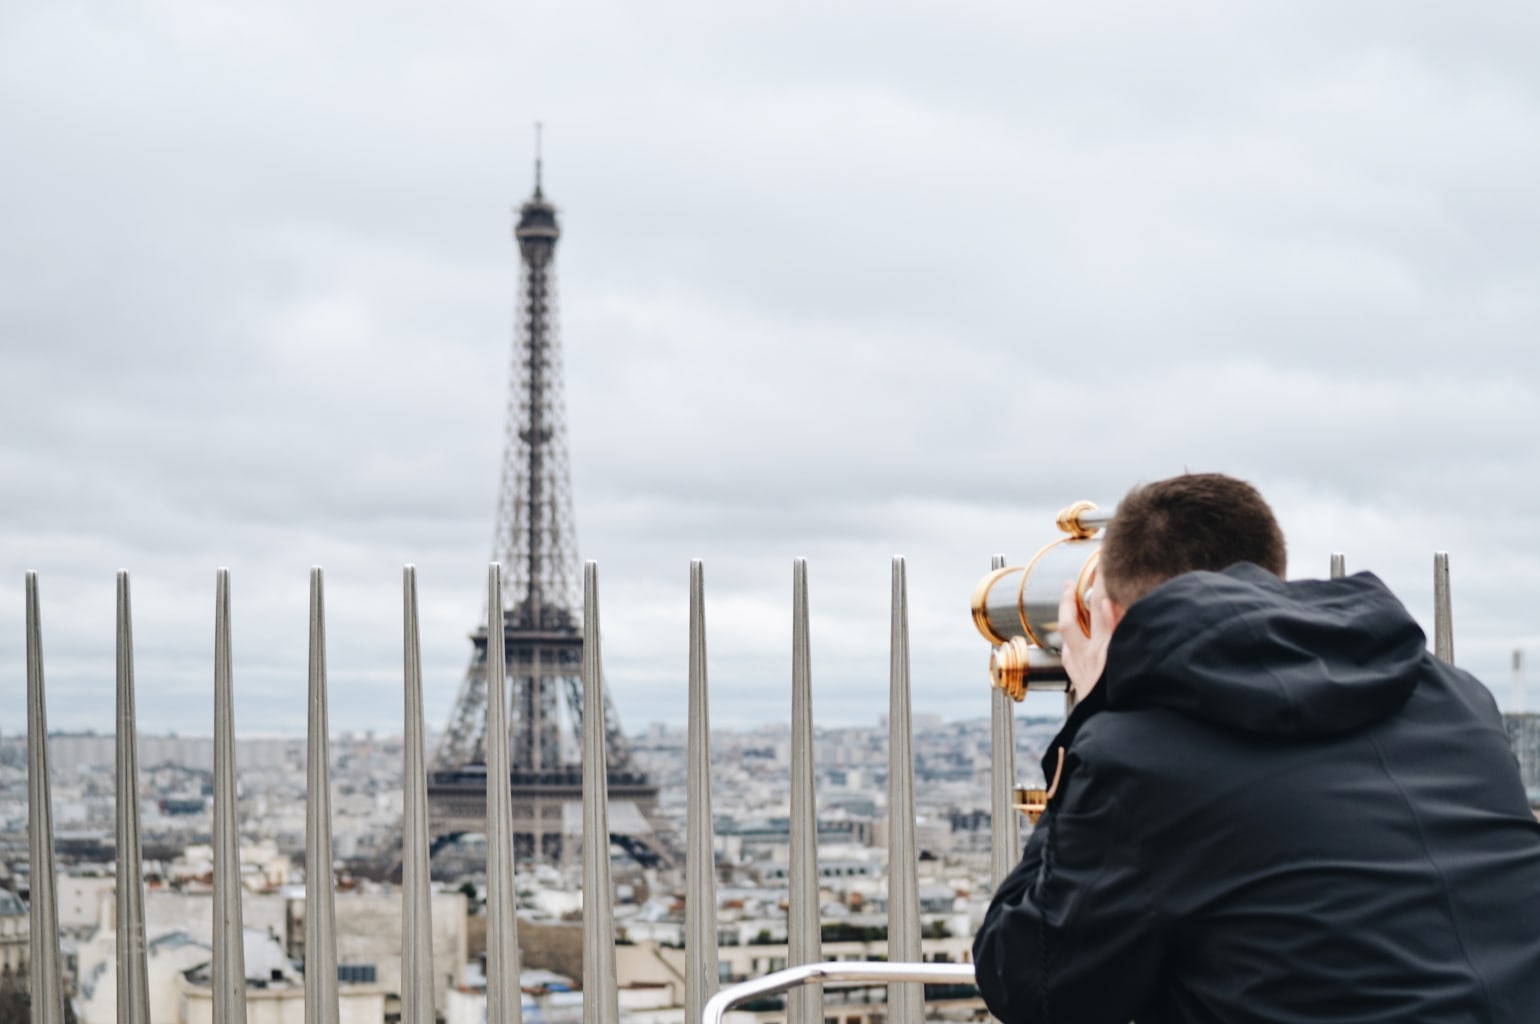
(601,992)
(804,937)
(1005,838)
(229,970)
(416,901)
(905,1000)
(133,971)
(46,969)
(503,999)
(1443,610)
(700,906)
(1338,565)
(321,1005)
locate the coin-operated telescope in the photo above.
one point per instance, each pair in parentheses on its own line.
(1017,610)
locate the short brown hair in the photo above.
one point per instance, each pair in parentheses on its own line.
(1190,522)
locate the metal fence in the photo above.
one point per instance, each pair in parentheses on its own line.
(600,1005)
(600,1002)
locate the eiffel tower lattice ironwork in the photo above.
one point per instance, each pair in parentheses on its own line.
(536,542)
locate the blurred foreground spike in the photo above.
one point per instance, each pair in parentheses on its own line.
(133,973)
(804,936)
(416,912)
(1443,610)
(229,970)
(47,981)
(601,991)
(321,1006)
(1005,838)
(700,904)
(904,998)
(504,1005)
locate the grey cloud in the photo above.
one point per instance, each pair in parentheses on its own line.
(838,282)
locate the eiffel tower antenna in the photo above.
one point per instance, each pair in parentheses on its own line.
(538,193)
(535,539)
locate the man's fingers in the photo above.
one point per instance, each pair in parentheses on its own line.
(1069,615)
(1101,616)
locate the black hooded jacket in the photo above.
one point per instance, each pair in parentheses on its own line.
(1276,806)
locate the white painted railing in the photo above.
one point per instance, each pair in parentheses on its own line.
(834,974)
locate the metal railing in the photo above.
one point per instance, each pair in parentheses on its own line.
(702,1002)
(849,972)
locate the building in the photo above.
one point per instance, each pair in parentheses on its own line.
(1524,738)
(169,954)
(179,930)
(275,994)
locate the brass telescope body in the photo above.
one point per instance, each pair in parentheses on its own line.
(1017,608)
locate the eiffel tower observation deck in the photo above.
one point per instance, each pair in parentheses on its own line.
(536,542)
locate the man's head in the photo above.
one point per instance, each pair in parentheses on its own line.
(1190,522)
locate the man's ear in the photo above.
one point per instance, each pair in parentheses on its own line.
(1113,612)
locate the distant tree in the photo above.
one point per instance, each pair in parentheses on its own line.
(16,1007)
(469,889)
(844,931)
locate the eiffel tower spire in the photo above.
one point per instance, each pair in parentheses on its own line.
(536,534)
(535,539)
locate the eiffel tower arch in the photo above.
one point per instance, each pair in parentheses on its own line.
(536,541)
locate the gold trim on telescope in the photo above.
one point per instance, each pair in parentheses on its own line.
(1069,520)
(1021,592)
(981,604)
(1008,666)
(1033,802)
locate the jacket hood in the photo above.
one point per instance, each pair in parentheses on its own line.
(1248,651)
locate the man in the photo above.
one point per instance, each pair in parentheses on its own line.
(1271,803)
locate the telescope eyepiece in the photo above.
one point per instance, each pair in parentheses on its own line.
(1017,666)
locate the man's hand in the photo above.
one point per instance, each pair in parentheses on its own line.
(1085,656)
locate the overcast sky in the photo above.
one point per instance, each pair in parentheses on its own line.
(840,281)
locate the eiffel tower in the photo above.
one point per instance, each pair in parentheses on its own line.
(536,542)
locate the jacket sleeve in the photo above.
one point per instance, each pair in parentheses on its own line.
(1074,932)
